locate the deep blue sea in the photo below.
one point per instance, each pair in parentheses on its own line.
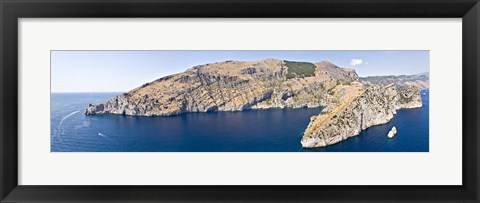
(272,130)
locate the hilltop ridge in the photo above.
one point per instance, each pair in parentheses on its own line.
(231,86)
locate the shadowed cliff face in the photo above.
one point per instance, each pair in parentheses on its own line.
(352,105)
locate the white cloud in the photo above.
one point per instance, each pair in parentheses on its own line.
(356,62)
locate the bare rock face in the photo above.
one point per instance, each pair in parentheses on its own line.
(231,86)
(351,104)
(359,108)
(116,105)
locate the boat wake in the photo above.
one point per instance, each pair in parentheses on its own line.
(103,135)
(59,128)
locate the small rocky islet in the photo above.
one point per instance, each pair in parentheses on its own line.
(392,132)
(352,104)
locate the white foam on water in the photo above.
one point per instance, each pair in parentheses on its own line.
(59,128)
(102,135)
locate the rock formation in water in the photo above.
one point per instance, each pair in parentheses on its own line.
(351,104)
(392,132)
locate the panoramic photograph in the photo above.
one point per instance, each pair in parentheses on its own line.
(239,101)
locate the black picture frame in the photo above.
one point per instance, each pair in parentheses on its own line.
(12,10)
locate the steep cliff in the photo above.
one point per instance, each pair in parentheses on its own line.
(352,104)
(231,86)
(360,106)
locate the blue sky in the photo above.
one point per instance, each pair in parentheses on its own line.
(120,71)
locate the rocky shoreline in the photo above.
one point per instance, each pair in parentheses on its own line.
(366,107)
(351,104)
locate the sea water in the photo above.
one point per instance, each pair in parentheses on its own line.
(270,130)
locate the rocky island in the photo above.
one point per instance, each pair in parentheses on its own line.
(351,104)
(392,132)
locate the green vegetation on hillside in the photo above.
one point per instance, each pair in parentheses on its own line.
(300,69)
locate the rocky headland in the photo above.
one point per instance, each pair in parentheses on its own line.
(351,104)
(232,86)
(360,106)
